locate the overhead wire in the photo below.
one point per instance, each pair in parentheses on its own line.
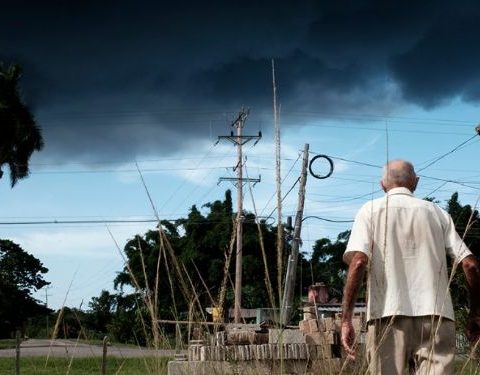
(325,219)
(437,159)
(285,196)
(382,118)
(183,183)
(107,221)
(169,112)
(283,180)
(420,175)
(356,127)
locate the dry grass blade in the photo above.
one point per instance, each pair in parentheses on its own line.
(212,301)
(228,259)
(268,283)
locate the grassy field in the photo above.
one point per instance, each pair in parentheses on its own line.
(128,366)
(85,366)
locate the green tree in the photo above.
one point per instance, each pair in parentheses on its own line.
(70,323)
(101,311)
(467,225)
(327,264)
(19,134)
(199,244)
(20,275)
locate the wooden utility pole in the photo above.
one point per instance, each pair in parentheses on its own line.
(293,258)
(46,305)
(239,140)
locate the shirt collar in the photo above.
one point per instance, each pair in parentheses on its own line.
(400,190)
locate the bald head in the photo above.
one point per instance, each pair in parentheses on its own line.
(399,173)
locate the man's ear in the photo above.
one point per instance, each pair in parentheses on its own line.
(415,183)
(383,186)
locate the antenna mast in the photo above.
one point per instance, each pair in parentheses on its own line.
(280,244)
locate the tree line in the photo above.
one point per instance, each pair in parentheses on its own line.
(188,275)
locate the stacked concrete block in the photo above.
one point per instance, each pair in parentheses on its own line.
(286,336)
(245,337)
(265,352)
(313,348)
(320,332)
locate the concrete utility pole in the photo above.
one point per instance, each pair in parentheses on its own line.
(293,258)
(239,140)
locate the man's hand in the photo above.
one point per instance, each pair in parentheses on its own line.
(356,269)
(473,328)
(348,338)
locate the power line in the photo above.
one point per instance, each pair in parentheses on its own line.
(41,222)
(353,128)
(356,162)
(286,194)
(156,160)
(325,219)
(288,173)
(108,221)
(93,171)
(413,121)
(420,175)
(447,153)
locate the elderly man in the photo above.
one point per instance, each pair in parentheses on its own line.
(402,243)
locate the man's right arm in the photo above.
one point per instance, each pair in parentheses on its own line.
(472,273)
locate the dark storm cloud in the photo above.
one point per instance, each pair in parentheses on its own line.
(117,79)
(247,79)
(444,62)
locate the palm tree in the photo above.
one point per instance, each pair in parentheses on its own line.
(19,134)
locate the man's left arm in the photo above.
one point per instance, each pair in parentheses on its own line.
(356,271)
(472,274)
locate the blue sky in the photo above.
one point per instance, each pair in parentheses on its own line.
(86,256)
(114,83)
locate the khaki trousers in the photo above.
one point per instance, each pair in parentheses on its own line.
(423,344)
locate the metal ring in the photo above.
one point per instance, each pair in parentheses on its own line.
(329,162)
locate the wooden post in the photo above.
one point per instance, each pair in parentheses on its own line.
(293,258)
(104,356)
(17,353)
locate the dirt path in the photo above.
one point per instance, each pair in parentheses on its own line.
(66,348)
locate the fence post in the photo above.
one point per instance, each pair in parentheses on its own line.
(17,353)
(104,356)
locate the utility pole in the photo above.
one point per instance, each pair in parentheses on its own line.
(293,258)
(46,305)
(239,140)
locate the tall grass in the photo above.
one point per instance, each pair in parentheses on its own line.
(178,279)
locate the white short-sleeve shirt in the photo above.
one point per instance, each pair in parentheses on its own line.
(406,240)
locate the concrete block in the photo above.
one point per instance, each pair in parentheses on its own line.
(327,324)
(286,336)
(319,338)
(309,312)
(304,326)
(313,325)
